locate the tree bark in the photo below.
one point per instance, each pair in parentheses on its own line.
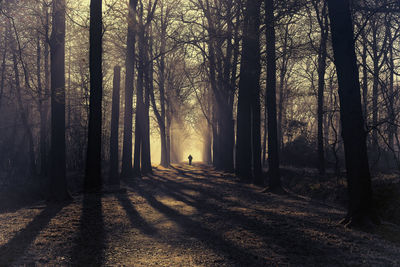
(322,55)
(24,119)
(247,125)
(113,176)
(360,210)
(58,184)
(93,181)
(139,116)
(126,170)
(273,147)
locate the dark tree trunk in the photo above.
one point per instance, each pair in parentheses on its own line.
(392,128)
(365,77)
(3,67)
(207,156)
(164,150)
(226,137)
(44,117)
(273,148)
(321,87)
(148,77)
(256,126)
(58,183)
(139,116)
(248,88)
(375,84)
(126,170)
(114,178)
(282,74)
(215,140)
(265,133)
(168,133)
(360,208)
(24,119)
(93,181)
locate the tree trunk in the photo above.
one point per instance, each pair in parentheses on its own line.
(148,77)
(24,118)
(375,88)
(215,140)
(273,148)
(390,109)
(114,178)
(126,170)
(93,181)
(360,208)
(58,184)
(3,67)
(248,88)
(321,87)
(164,151)
(46,105)
(139,117)
(42,114)
(365,77)
(207,156)
(256,128)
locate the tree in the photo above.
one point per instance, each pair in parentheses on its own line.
(113,178)
(58,183)
(248,144)
(221,58)
(322,19)
(142,161)
(44,96)
(129,78)
(93,158)
(360,210)
(270,100)
(161,112)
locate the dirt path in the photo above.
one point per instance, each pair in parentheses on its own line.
(187,216)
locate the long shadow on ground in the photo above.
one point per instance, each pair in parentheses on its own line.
(198,230)
(90,242)
(214,205)
(137,221)
(16,247)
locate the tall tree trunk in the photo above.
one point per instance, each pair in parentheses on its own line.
(114,178)
(45,101)
(215,139)
(139,122)
(42,114)
(248,88)
(3,66)
(273,148)
(321,87)
(265,133)
(360,208)
(148,77)
(365,77)
(93,181)
(164,151)
(168,133)
(375,88)
(207,156)
(126,170)
(24,118)
(391,112)
(58,184)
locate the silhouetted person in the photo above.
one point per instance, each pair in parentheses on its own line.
(190,159)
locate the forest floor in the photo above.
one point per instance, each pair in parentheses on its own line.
(190,216)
